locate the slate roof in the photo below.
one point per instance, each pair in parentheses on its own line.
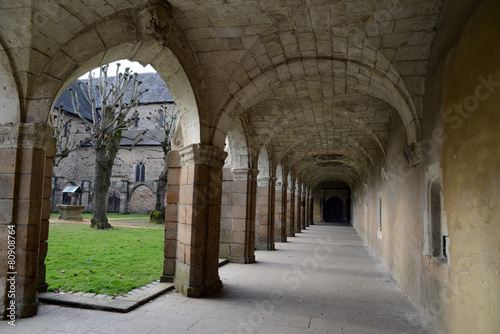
(157,93)
(67,104)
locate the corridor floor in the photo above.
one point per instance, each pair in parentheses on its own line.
(324,280)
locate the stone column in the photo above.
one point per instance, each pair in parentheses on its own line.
(291,210)
(237,240)
(311,208)
(56,192)
(280,216)
(306,207)
(86,196)
(199,213)
(24,201)
(264,216)
(124,198)
(303,208)
(298,207)
(173,162)
(44,223)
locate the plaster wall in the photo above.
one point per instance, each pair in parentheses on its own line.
(460,145)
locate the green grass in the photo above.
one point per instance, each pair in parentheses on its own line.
(109,215)
(89,260)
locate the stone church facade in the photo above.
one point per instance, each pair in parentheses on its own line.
(283,106)
(135,173)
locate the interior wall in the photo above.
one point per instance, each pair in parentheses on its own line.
(460,145)
(471,173)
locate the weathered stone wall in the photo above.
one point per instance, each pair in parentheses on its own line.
(79,165)
(142,200)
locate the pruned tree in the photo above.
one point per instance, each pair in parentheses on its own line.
(66,140)
(166,121)
(119,100)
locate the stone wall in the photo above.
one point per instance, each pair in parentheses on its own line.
(78,167)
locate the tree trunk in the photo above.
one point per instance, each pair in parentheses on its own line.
(101,187)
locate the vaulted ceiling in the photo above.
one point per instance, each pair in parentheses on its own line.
(316,82)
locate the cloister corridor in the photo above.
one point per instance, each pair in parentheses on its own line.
(323,281)
(381,113)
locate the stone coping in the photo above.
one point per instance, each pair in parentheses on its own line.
(122,304)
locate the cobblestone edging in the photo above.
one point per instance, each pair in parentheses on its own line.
(122,304)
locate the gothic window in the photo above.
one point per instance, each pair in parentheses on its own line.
(140,172)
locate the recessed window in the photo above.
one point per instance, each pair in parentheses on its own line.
(140,172)
(436,240)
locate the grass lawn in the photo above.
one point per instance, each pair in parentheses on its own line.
(110,262)
(88,215)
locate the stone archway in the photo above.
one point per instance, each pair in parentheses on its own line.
(126,34)
(142,200)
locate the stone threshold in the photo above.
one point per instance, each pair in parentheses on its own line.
(121,304)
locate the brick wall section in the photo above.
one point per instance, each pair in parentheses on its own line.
(171,216)
(237,239)
(198,227)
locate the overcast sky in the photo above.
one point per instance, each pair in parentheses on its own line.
(134,66)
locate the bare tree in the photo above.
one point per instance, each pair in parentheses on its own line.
(66,140)
(118,110)
(166,121)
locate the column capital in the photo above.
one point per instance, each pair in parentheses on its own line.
(265,181)
(26,136)
(280,185)
(244,173)
(199,154)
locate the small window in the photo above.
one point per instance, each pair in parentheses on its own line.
(140,172)
(437,240)
(161,117)
(66,129)
(136,122)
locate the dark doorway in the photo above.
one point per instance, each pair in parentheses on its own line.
(334,210)
(113,203)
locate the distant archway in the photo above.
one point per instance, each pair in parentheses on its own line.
(334,210)
(142,200)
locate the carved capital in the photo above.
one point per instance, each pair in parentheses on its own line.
(26,136)
(413,153)
(198,154)
(240,174)
(156,22)
(384,172)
